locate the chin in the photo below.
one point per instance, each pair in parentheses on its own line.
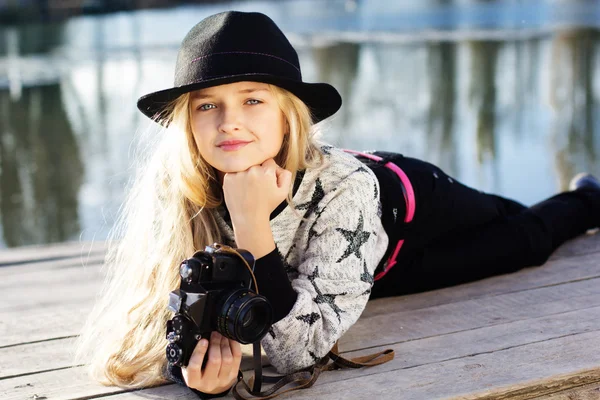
(235,167)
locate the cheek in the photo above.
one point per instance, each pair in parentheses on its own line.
(201,145)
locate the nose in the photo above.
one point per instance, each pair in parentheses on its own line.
(230,120)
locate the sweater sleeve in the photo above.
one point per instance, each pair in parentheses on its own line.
(342,245)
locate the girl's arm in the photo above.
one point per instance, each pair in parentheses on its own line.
(341,246)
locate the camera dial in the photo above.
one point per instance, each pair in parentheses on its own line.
(174,354)
(187,272)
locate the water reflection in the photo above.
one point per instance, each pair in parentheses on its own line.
(440,118)
(574,58)
(41,170)
(482,96)
(516,116)
(338,65)
(35,38)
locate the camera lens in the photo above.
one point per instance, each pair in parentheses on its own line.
(244,316)
(248,319)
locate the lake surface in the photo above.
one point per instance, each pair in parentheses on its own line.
(503,95)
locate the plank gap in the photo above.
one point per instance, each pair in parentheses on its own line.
(39,372)
(37,341)
(105,395)
(494,351)
(45,259)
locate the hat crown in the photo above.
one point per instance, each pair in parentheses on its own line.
(233,47)
(231,43)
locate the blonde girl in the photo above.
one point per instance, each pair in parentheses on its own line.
(238,163)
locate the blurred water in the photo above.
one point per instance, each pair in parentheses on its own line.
(501,94)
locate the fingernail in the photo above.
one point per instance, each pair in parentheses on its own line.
(203,342)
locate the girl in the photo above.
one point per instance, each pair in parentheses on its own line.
(239,164)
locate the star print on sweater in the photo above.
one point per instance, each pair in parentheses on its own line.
(326,149)
(332,255)
(313,204)
(366,276)
(325,298)
(309,318)
(312,233)
(355,238)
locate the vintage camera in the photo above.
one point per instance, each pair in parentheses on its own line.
(215,295)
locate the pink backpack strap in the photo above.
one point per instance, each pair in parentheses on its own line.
(409,198)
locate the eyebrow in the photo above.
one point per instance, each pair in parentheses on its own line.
(205,96)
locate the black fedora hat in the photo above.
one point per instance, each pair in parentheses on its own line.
(237,46)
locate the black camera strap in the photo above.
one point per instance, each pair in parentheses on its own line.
(258,376)
(302,379)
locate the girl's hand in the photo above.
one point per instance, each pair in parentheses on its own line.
(252,195)
(222,366)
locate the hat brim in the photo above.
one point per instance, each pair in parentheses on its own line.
(322,99)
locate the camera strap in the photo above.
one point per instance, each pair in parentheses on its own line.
(302,379)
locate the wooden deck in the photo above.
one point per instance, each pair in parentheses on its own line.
(534,334)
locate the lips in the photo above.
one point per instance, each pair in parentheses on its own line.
(231,145)
(231,142)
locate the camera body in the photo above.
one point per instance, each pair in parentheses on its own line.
(215,295)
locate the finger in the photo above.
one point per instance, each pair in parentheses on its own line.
(227,178)
(213,364)
(236,352)
(279,171)
(270,167)
(226,358)
(193,372)
(284,179)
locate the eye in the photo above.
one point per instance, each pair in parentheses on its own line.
(205,107)
(253,101)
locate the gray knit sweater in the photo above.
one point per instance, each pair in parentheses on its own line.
(329,259)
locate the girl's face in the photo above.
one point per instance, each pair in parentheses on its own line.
(236,126)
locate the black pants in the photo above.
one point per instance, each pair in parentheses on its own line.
(459,234)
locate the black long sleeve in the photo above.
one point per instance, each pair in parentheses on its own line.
(273,283)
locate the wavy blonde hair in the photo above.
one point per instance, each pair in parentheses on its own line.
(167,217)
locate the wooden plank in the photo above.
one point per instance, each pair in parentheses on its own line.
(61,296)
(44,256)
(552,273)
(25,279)
(68,273)
(585,392)
(483,376)
(541,388)
(60,288)
(26,254)
(73,282)
(25,288)
(470,314)
(590,393)
(70,383)
(526,303)
(422,369)
(584,244)
(49,265)
(42,323)
(66,319)
(53,354)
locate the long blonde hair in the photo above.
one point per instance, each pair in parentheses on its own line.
(167,217)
